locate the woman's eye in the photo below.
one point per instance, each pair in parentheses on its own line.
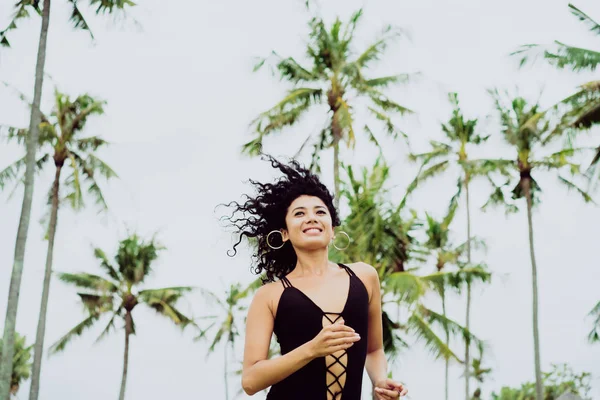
(321,212)
(298,213)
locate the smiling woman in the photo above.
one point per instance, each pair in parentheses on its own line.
(326,316)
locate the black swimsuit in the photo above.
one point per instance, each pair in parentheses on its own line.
(298,320)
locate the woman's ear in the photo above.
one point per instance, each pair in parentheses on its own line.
(284,235)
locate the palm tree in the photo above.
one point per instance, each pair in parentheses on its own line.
(461,134)
(118,294)
(60,141)
(21,363)
(580,110)
(231,307)
(335,79)
(447,255)
(526,129)
(479,373)
(594,335)
(22,11)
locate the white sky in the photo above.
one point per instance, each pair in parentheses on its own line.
(181,93)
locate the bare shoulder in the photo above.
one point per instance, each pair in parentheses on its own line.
(367,274)
(363,269)
(268,295)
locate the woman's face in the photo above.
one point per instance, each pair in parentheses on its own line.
(309,224)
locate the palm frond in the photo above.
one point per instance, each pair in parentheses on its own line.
(105,264)
(88,281)
(292,71)
(91,143)
(373,139)
(78,20)
(405,286)
(392,341)
(385,81)
(96,164)
(433,318)
(438,149)
(111,324)
(586,19)
(96,304)
(163,301)
(217,339)
(73,183)
(75,332)
(419,327)
(375,51)
(575,58)
(110,6)
(427,174)
(88,168)
(10,173)
(211,297)
(21,12)
(285,113)
(388,105)
(345,120)
(390,128)
(579,110)
(594,335)
(573,186)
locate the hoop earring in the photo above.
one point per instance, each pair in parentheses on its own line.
(343,248)
(269,244)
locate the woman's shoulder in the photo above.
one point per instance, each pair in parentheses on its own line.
(367,274)
(269,288)
(268,294)
(362,268)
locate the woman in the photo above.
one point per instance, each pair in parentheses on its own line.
(326,316)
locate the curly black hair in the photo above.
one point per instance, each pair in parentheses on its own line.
(266,212)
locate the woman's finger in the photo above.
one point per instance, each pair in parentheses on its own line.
(381,396)
(387,394)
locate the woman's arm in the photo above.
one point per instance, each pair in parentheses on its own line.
(258,372)
(376,363)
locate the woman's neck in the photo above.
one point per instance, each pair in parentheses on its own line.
(312,263)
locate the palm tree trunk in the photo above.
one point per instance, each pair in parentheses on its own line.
(447,366)
(225,374)
(337,135)
(6,360)
(468,316)
(38,348)
(536,335)
(128,331)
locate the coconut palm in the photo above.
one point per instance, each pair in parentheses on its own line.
(461,136)
(118,293)
(594,335)
(580,110)
(479,373)
(526,129)
(438,243)
(23,9)
(231,306)
(21,364)
(76,167)
(336,77)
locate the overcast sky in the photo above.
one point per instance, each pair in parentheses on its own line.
(180,94)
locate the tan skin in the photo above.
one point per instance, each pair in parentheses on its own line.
(327,286)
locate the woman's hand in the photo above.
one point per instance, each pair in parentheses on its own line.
(333,338)
(388,389)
